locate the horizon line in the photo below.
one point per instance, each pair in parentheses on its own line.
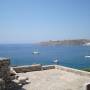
(45,41)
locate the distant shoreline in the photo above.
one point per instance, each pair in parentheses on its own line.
(85,42)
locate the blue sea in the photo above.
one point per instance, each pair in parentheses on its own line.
(70,56)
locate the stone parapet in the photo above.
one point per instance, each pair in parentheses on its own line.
(27,68)
(47,67)
(30,68)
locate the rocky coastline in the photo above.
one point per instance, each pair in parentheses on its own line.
(66,42)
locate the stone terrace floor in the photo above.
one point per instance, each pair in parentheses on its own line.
(54,79)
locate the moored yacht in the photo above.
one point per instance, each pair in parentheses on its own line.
(56,61)
(35,52)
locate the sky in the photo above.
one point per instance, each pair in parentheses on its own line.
(31,21)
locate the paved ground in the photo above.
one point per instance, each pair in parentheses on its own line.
(54,79)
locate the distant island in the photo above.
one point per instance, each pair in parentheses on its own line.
(85,42)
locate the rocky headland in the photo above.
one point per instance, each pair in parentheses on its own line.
(67,42)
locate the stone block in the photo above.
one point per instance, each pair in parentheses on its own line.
(22,69)
(2,84)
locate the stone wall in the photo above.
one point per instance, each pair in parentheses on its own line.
(30,68)
(27,68)
(47,67)
(4,72)
(38,67)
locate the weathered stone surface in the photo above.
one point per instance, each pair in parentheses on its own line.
(55,79)
(67,69)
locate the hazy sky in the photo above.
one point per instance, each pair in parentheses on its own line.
(27,21)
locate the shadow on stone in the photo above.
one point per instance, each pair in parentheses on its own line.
(14,86)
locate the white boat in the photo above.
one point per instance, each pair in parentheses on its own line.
(87,44)
(35,52)
(56,61)
(87,56)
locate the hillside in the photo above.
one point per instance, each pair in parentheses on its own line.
(67,42)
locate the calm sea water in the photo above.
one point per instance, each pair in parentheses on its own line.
(71,56)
